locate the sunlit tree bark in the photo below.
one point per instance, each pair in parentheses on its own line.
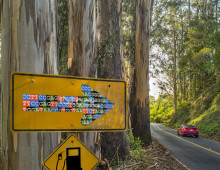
(29,38)
(81,49)
(140,111)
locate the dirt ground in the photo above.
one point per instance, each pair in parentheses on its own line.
(155,157)
(161,158)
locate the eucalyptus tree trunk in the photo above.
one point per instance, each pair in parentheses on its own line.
(174,72)
(197,8)
(189,95)
(81,49)
(81,41)
(29,42)
(184,86)
(195,86)
(189,13)
(111,67)
(216,9)
(183,97)
(180,85)
(140,111)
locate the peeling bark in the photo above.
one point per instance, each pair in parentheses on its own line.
(140,101)
(81,42)
(81,49)
(108,23)
(28,45)
(108,27)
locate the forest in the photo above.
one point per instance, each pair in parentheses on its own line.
(187,36)
(173,43)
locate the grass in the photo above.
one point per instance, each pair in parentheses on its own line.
(137,159)
(204,113)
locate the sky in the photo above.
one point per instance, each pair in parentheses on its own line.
(154,90)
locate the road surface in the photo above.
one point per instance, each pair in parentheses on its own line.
(194,153)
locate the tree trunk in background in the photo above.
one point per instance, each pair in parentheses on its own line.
(189,13)
(108,31)
(174,72)
(180,85)
(181,56)
(195,84)
(216,9)
(140,101)
(184,86)
(189,90)
(197,8)
(81,49)
(29,42)
(190,58)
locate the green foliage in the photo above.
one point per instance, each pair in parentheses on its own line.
(201,47)
(162,109)
(209,121)
(128,29)
(63,36)
(207,129)
(204,113)
(182,114)
(193,28)
(137,154)
(135,145)
(195,63)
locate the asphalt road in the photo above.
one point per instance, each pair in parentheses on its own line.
(194,153)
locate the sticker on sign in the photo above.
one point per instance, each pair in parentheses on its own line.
(65,103)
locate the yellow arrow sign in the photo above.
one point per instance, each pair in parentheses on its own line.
(66,103)
(71,154)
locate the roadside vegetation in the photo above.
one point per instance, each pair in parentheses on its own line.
(154,157)
(204,113)
(186,65)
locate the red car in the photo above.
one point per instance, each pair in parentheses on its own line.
(188,130)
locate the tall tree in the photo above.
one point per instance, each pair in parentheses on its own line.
(81,41)
(29,37)
(110,66)
(81,49)
(63,28)
(140,111)
(192,56)
(128,22)
(169,33)
(174,70)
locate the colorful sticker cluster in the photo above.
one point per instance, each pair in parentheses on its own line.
(92,104)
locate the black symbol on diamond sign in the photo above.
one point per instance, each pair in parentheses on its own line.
(72,160)
(72,154)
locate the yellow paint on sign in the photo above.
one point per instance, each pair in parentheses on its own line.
(114,119)
(71,153)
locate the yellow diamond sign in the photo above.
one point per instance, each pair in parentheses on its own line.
(71,154)
(64,103)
